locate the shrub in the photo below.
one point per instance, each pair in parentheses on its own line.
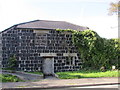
(95,51)
(12,63)
(9,78)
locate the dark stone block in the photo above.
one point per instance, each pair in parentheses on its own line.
(29,49)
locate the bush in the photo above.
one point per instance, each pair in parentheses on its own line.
(95,51)
(9,78)
(12,63)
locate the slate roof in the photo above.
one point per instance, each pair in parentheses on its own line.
(47,24)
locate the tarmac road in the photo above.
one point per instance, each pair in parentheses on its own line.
(101,86)
(61,84)
(25,76)
(98,87)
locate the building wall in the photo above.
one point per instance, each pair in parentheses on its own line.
(30,46)
(0,50)
(9,45)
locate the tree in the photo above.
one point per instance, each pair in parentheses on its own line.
(114,8)
(97,52)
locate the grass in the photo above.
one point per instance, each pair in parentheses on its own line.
(87,74)
(69,75)
(37,72)
(84,74)
(9,78)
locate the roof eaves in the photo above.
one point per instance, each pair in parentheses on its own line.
(14,26)
(36,28)
(27,22)
(72,24)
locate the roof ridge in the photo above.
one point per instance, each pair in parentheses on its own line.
(54,24)
(36,21)
(73,24)
(52,20)
(26,22)
(48,24)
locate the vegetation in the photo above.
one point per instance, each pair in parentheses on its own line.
(12,63)
(96,52)
(114,8)
(9,78)
(87,74)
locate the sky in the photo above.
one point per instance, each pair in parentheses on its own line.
(90,13)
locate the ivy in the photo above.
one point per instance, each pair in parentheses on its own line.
(95,51)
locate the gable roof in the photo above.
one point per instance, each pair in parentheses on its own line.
(47,24)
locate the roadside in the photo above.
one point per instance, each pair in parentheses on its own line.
(37,81)
(55,83)
(23,75)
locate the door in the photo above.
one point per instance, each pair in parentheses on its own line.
(48,66)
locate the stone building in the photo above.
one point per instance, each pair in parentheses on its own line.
(30,42)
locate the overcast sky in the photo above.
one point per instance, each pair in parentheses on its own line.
(90,13)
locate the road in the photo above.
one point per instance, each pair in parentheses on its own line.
(101,86)
(25,76)
(98,87)
(59,84)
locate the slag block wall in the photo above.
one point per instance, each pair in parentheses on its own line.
(29,45)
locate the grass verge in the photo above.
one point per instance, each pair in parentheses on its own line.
(9,78)
(87,74)
(38,72)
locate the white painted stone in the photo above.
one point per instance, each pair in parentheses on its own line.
(113,67)
(69,54)
(41,31)
(48,54)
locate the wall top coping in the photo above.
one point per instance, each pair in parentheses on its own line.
(55,54)
(48,54)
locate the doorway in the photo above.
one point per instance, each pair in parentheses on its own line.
(48,66)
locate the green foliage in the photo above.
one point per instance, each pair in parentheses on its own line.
(12,63)
(95,51)
(67,30)
(114,8)
(37,72)
(86,74)
(9,78)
